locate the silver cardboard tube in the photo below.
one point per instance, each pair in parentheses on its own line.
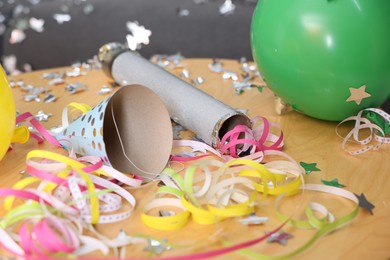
(190,107)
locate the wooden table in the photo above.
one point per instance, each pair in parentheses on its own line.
(306,139)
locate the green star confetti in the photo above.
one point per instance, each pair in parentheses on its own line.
(334,183)
(309,167)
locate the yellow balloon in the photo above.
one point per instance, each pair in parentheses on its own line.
(8,132)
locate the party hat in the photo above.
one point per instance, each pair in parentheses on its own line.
(130,130)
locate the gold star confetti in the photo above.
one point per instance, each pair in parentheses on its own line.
(357,94)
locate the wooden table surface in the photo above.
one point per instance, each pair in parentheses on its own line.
(306,139)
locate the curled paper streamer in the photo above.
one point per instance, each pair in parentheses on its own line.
(212,190)
(377,132)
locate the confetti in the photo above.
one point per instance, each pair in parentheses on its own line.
(227,8)
(198,80)
(334,183)
(181,12)
(56,81)
(49,98)
(364,203)
(62,18)
(17,36)
(309,167)
(42,116)
(37,24)
(216,66)
(139,35)
(75,88)
(157,247)
(279,237)
(104,90)
(185,74)
(253,219)
(32,97)
(227,74)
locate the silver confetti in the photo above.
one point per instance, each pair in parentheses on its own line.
(198,80)
(181,12)
(49,98)
(166,213)
(227,8)
(228,74)
(17,36)
(104,90)
(216,66)
(32,97)
(56,81)
(51,75)
(253,219)
(34,2)
(41,116)
(157,247)
(76,72)
(62,18)
(185,74)
(75,88)
(37,24)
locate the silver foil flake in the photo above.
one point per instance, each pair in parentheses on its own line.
(49,98)
(228,74)
(168,60)
(157,247)
(62,18)
(216,66)
(185,74)
(36,24)
(181,12)
(253,219)
(198,80)
(76,72)
(104,90)
(32,97)
(227,8)
(42,116)
(17,36)
(75,88)
(51,75)
(56,81)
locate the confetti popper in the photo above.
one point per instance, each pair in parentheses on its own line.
(130,131)
(190,107)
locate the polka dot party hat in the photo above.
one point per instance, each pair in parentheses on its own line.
(130,131)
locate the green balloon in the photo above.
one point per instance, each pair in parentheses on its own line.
(311,52)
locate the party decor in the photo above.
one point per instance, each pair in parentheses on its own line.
(8,132)
(327,59)
(188,106)
(130,130)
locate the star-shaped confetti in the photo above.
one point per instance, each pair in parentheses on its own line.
(309,167)
(279,237)
(157,247)
(364,203)
(334,183)
(358,94)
